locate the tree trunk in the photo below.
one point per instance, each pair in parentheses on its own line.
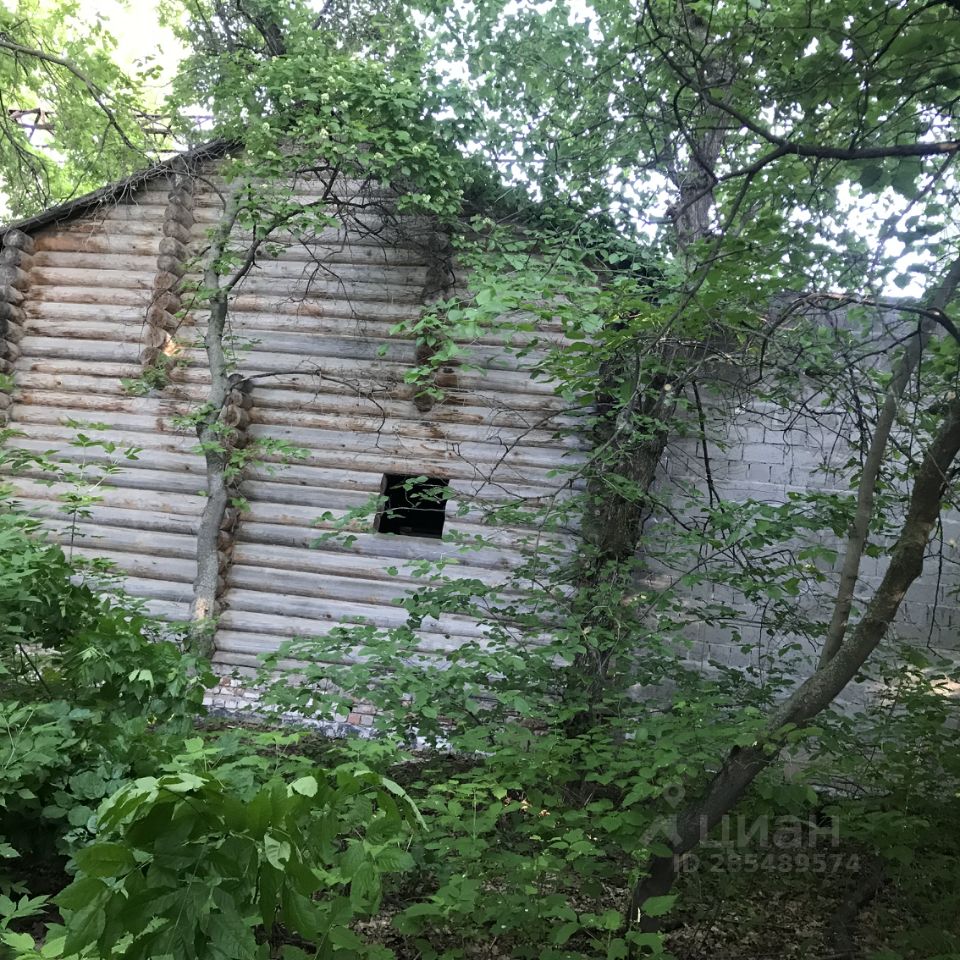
(823,686)
(212,436)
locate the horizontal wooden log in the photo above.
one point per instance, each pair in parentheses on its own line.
(464,517)
(144,519)
(286,366)
(82,400)
(306,394)
(146,478)
(329,585)
(123,331)
(251,557)
(109,351)
(149,458)
(85,249)
(319,287)
(120,539)
(364,346)
(178,572)
(132,260)
(182,505)
(86,277)
(63,297)
(153,209)
(165,610)
(444,426)
(176,592)
(295,612)
(58,366)
(388,547)
(290,627)
(351,236)
(491,458)
(242,648)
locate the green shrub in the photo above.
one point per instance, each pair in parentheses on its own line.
(94,692)
(208,862)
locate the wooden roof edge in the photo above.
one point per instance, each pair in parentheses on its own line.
(119,189)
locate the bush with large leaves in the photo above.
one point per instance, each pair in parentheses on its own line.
(93,692)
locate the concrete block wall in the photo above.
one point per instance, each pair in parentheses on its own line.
(754,455)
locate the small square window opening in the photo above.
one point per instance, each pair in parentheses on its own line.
(415,506)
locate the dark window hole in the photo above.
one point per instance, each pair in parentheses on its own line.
(415,506)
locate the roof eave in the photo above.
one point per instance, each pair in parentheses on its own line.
(119,190)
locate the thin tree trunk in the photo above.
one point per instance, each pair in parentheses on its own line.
(866,491)
(210,433)
(820,689)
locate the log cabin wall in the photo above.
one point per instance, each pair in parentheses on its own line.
(106,297)
(90,290)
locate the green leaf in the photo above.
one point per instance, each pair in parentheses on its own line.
(105,859)
(658,906)
(80,893)
(277,852)
(871,175)
(305,786)
(564,932)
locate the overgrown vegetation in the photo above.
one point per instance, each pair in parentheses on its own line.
(589,777)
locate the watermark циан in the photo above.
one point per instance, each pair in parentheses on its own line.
(782,844)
